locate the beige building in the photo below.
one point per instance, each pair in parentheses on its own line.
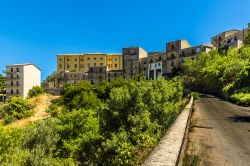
(20,78)
(131,60)
(231,38)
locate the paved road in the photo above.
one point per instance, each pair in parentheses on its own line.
(220,133)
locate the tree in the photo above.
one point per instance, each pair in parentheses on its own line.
(1,83)
(15,108)
(247,39)
(35,91)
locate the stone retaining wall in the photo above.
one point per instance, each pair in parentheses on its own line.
(171,149)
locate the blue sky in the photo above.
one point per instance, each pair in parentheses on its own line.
(35,31)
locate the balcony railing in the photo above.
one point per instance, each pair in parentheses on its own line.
(13,85)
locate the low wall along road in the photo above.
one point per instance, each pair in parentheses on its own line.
(171,148)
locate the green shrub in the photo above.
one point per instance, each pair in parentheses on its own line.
(241,99)
(115,123)
(195,95)
(35,91)
(15,108)
(53,110)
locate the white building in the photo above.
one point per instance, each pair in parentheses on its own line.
(154,70)
(20,78)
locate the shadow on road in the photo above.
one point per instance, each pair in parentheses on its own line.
(240,119)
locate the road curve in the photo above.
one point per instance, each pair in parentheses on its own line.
(220,130)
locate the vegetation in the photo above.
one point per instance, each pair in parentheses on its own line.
(116,123)
(35,91)
(1,83)
(15,108)
(195,95)
(221,74)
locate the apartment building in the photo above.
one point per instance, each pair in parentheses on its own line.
(232,38)
(153,62)
(20,78)
(73,68)
(131,60)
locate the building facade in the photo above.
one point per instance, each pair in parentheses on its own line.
(131,60)
(232,38)
(20,78)
(94,67)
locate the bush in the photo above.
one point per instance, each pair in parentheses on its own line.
(35,91)
(117,123)
(195,95)
(241,99)
(15,108)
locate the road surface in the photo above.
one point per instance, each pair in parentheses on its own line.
(220,133)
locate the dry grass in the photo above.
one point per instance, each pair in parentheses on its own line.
(40,103)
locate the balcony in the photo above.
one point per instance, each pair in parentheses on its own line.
(12,94)
(12,78)
(12,86)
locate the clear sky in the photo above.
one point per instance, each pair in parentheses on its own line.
(34,31)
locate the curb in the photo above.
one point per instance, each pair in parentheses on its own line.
(171,149)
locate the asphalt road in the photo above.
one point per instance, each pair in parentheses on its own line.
(220,133)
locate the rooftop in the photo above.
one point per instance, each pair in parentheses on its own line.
(23,64)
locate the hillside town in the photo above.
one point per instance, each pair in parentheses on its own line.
(97,67)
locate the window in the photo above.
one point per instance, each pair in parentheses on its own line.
(68,66)
(92,81)
(109,80)
(75,59)
(17,91)
(11,76)
(115,59)
(145,68)
(172,56)
(60,65)
(17,69)
(109,74)
(172,63)
(101,64)
(11,69)
(94,58)
(193,51)
(11,91)
(198,49)
(172,47)
(17,83)
(183,53)
(100,70)
(94,64)
(159,64)
(115,65)
(219,37)
(145,62)
(75,65)
(81,59)
(67,59)
(60,59)
(101,58)
(115,74)
(88,58)
(81,65)
(160,58)
(11,83)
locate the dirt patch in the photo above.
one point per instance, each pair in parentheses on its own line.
(40,104)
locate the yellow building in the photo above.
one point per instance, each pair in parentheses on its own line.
(82,62)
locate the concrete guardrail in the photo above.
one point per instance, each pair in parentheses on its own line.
(171,149)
